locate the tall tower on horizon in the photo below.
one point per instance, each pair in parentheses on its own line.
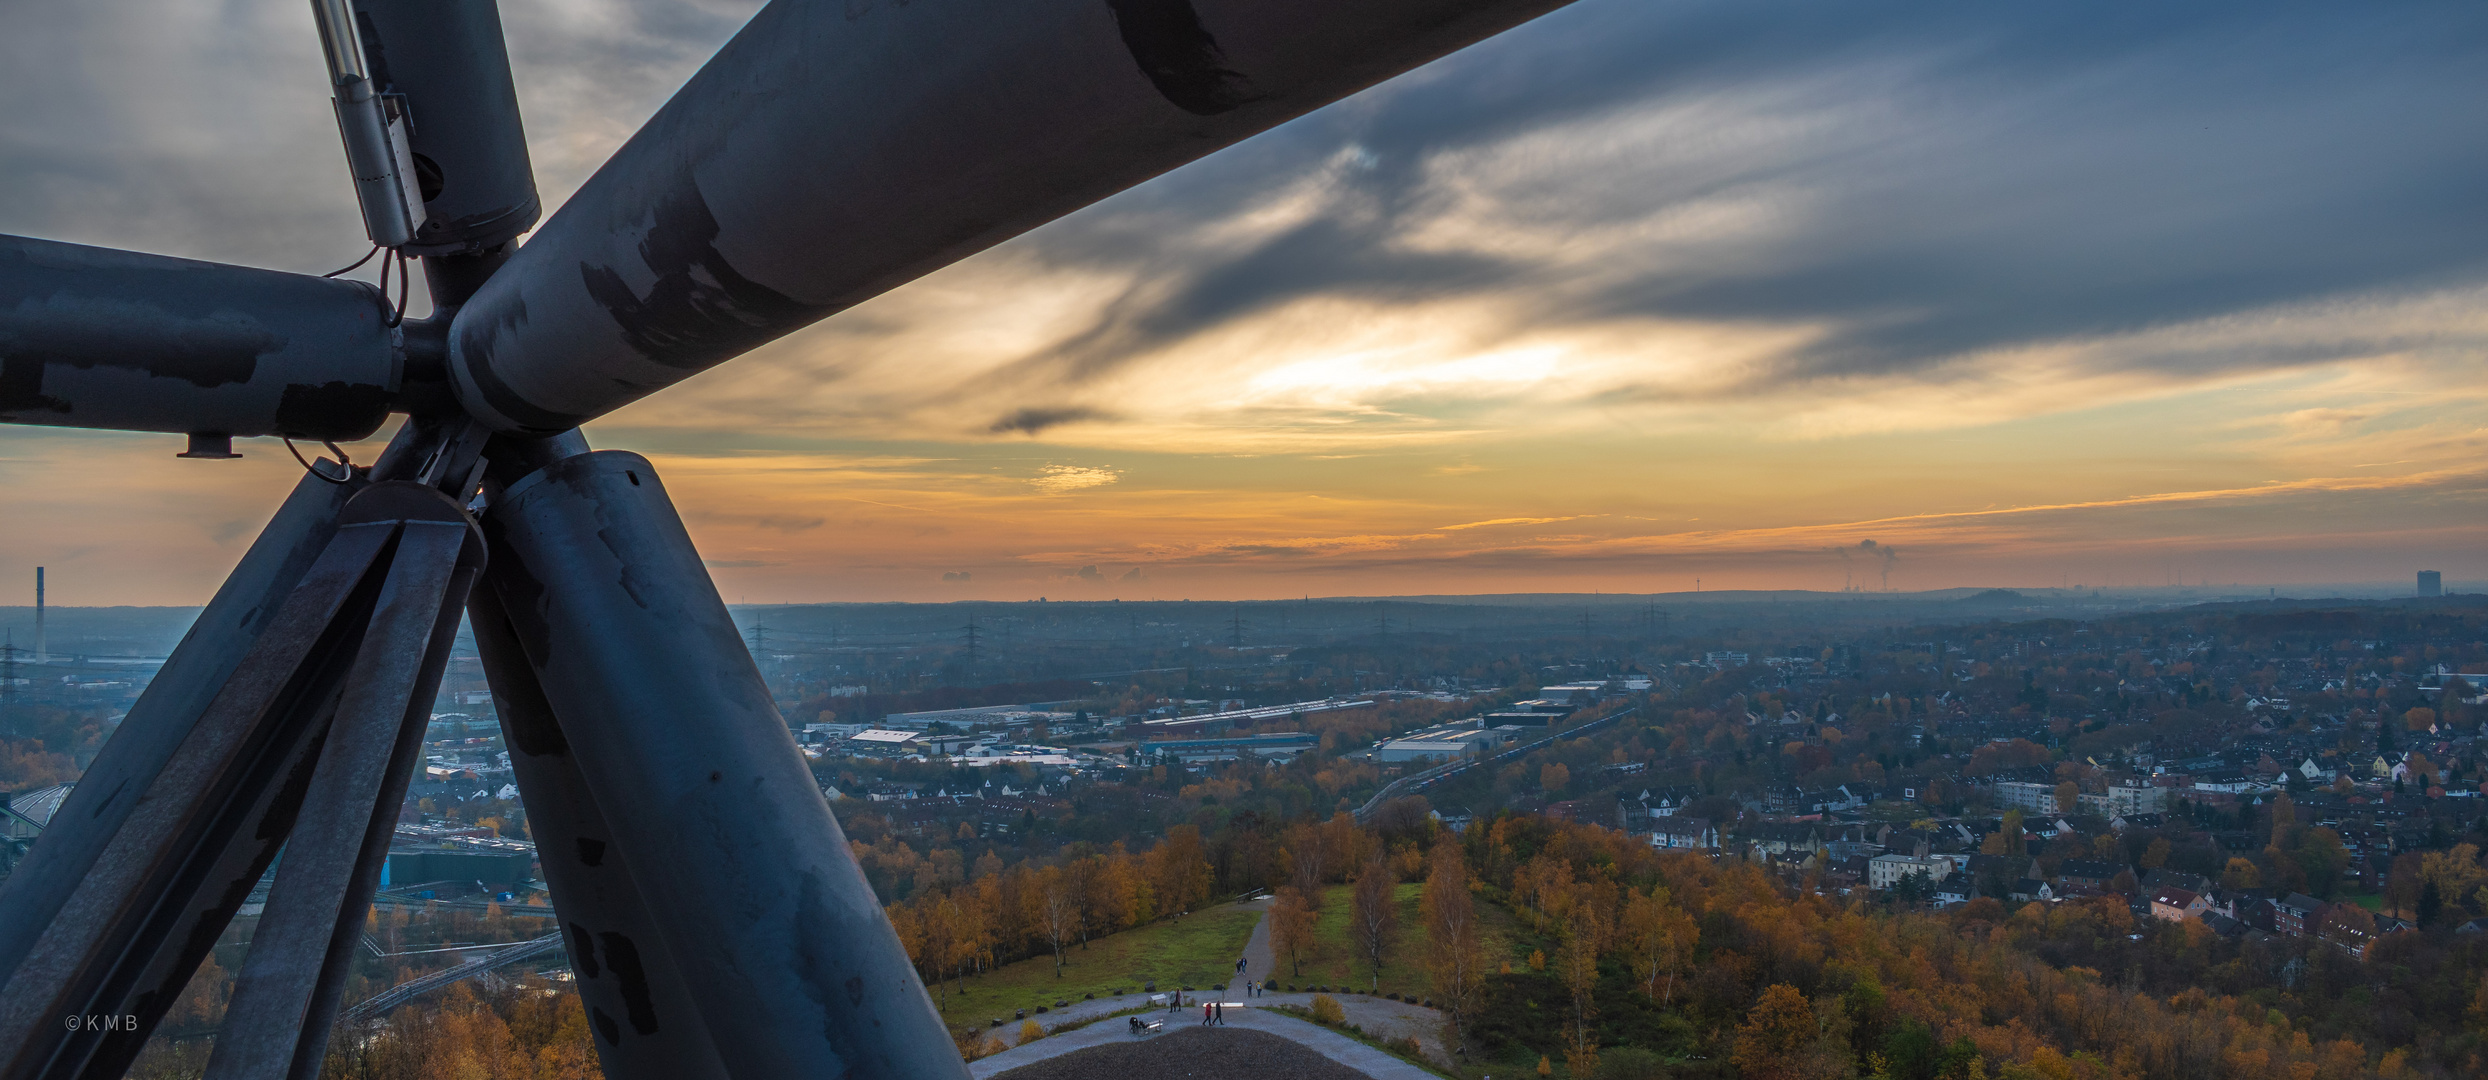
(43,654)
(2431,583)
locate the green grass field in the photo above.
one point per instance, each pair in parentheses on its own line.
(1197,950)
(1335,961)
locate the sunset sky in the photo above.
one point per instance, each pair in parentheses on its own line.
(1640,293)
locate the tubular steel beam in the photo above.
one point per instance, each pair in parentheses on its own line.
(592,884)
(97,338)
(447,60)
(116,955)
(285,996)
(835,149)
(644,1021)
(753,895)
(244,609)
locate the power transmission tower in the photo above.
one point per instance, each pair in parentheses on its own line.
(1236,634)
(974,645)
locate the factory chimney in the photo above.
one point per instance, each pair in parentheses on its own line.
(43,654)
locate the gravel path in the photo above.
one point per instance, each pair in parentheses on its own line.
(1379,1018)
(1197,1054)
(1171,1052)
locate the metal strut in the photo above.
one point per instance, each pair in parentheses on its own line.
(311,736)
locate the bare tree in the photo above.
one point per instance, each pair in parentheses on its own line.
(1058,911)
(1375,916)
(1451,935)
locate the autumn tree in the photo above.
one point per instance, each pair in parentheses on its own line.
(1291,926)
(1455,958)
(1585,934)
(2241,874)
(1374,916)
(1179,869)
(1058,911)
(1782,1040)
(1657,936)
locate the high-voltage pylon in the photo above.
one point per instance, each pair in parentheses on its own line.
(832,150)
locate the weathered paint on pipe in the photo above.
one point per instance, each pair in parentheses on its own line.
(835,149)
(98,338)
(597,902)
(754,895)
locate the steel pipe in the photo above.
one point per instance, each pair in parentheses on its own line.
(644,1022)
(835,149)
(97,338)
(447,60)
(753,894)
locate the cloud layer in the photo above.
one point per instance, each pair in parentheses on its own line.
(1638,292)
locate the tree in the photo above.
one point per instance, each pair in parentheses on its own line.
(1778,1036)
(1058,911)
(1657,935)
(1456,961)
(1374,916)
(2156,856)
(1179,869)
(1291,926)
(1554,778)
(2241,874)
(1577,963)
(2068,796)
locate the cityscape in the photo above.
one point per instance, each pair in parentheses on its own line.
(2218,821)
(1210,540)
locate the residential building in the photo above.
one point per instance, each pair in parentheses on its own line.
(1685,834)
(2178,905)
(2297,914)
(2023,795)
(1885,871)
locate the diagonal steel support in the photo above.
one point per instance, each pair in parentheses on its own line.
(592,881)
(143,917)
(751,891)
(286,995)
(244,609)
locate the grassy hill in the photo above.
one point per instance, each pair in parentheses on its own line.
(1196,950)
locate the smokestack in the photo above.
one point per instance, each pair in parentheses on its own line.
(43,654)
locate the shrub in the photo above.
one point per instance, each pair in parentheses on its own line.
(1031,1032)
(1326,1010)
(1408,1046)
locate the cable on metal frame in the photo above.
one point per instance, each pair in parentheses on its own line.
(349,268)
(342,459)
(399,316)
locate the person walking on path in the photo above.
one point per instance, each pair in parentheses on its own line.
(1205,1006)
(1218,1014)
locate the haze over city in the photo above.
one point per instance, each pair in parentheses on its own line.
(1231,539)
(1632,295)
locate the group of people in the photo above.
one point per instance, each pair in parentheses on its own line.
(1213,1013)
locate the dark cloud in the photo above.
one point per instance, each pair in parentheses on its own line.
(1033,420)
(1997,175)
